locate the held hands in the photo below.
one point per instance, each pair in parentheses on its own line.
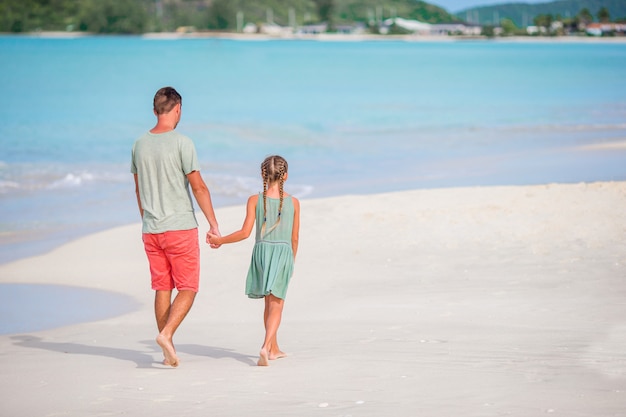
(211,237)
(213,240)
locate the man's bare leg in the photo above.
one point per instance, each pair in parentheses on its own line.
(162,305)
(177,312)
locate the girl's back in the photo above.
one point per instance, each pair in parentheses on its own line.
(276,233)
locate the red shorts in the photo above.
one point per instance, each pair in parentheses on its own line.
(174,259)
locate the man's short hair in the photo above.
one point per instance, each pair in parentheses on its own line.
(165,99)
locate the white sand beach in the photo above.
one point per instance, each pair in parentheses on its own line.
(482,301)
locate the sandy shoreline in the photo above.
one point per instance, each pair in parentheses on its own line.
(481,301)
(333,37)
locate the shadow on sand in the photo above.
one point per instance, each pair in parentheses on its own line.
(141,359)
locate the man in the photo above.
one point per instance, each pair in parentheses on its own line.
(165,164)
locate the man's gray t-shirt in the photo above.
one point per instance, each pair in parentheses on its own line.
(162,162)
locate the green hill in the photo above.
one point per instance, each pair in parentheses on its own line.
(523,13)
(138,16)
(365,10)
(285,12)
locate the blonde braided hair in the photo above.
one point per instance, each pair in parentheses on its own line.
(273,169)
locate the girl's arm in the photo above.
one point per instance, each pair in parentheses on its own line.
(296,226)
(245,230)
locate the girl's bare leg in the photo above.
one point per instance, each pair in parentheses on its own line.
(274,351)
(273,314)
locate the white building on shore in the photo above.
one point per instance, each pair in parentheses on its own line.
(465,29)
(413,26)
(440,29)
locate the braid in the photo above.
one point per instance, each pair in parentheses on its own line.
(264,174)
(273,169)
(281,191)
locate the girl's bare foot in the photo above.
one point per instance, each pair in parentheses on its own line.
(263,358)
(277,355)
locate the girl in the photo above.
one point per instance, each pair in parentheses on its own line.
(277,217)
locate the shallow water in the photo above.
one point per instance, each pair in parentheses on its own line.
(350,117)
(27,308)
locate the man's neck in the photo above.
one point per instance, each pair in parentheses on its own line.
(163,127)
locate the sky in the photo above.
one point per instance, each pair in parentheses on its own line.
(456,5)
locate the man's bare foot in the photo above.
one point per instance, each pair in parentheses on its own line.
(168,351)
(167,363)
(263,359)
(277,355)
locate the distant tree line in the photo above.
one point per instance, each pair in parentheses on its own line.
(549,24)
(99,16)
(522,14)
(140,16)
(584,17)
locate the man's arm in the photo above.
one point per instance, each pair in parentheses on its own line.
(203,197)
(138,198)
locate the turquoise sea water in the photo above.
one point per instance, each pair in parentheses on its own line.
(350,117)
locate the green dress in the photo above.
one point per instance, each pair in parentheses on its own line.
(272,262)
